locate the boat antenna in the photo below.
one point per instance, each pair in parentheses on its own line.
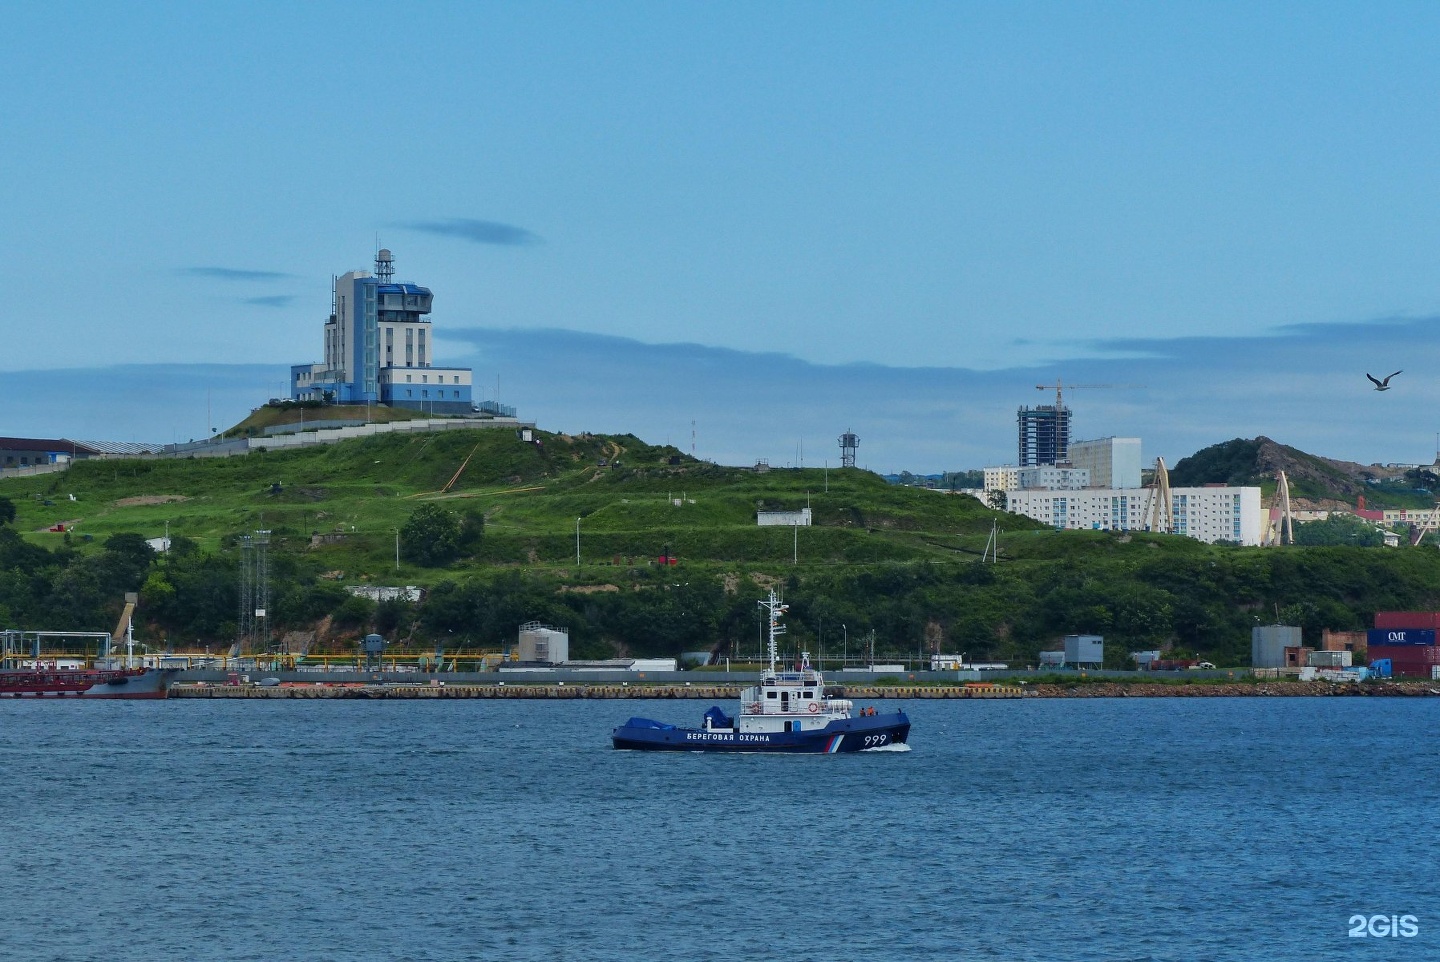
(776,609)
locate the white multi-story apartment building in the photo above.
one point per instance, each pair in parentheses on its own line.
(1050,477)
(1037,477)
(1207,514)
(1003,478)
(1112,462)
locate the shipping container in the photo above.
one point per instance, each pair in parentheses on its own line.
(1413,654)
(1400,636)
(1407,665)
(1172,664)
(1328,659)
(1407,619)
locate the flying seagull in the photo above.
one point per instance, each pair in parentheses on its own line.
(1382,385)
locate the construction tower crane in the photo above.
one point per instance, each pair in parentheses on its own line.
(1059,386)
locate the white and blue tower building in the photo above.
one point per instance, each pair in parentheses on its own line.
(379,349)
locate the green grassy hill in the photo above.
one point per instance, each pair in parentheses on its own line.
(896,563)
(633,500)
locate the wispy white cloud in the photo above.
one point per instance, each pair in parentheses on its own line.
(477,231)
(232,274)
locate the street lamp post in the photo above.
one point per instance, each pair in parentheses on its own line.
(397,549)
(845,649)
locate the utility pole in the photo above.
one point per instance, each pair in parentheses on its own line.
(397,549)
(577,542)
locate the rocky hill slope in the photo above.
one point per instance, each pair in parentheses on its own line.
(1315,481)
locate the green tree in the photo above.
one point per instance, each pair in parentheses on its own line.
(7,511)
(354,612)
(472,530)
(1338,529)
(432,536)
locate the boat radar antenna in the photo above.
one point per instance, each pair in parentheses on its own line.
(776,609)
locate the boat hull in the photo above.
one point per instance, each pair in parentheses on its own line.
(129,684)
(840,736)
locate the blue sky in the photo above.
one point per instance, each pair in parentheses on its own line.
(778,221)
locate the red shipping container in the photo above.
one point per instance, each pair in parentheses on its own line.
(1407,619)
(1409,670)
(1408,654)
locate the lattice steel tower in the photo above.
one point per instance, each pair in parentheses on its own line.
(848,443)
(252,634)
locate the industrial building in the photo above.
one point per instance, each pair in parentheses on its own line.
(799,518)
(379,348)
(30,452)
(1207,514)
(1275,646)
(542,644)
(1112,462)
(1084,651)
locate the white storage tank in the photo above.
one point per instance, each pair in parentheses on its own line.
(543,643)
(1268,644)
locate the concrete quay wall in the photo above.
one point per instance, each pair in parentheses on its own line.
(716,693)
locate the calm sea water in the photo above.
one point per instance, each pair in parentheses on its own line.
(1057,830)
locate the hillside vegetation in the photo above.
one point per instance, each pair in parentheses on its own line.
(1320,482)
(671,559)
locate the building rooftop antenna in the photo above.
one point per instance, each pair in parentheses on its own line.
(385,266)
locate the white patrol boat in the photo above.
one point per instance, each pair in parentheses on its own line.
(787,712)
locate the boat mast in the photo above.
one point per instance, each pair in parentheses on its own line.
(776,609)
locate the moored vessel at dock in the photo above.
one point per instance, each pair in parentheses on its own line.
(85,682)
(31,674)
(789,711)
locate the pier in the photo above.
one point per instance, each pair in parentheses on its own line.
(560,690)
